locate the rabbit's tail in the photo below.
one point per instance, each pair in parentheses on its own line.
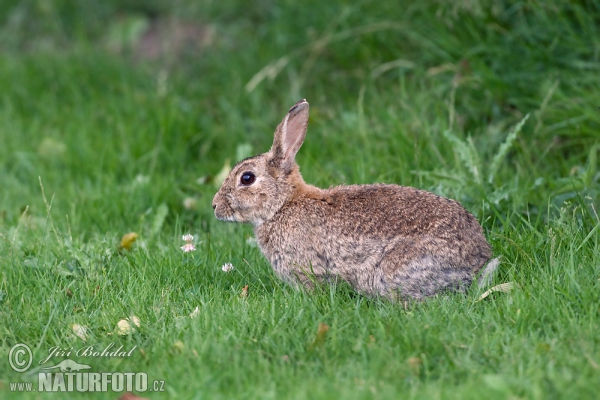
(485,278)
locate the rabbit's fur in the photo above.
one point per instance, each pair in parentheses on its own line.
(384,240)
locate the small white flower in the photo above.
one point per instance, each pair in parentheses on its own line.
(227,267)
(188,247)
(141,179)
(195,313)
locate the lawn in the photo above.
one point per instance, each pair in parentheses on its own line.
(121,117)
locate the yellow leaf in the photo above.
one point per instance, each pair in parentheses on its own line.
(503,288)
(127,326)
(178,346)
(128,239)
(244,293)
(415,363)
(320,336)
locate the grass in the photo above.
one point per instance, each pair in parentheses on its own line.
(98,141)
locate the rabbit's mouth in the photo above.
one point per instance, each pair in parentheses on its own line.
(229,218)
(225,216)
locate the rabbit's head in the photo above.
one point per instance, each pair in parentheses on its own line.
(257,187)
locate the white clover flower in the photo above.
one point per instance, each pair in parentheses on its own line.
(251,241)
(189,246)
(227,267)
(195,313)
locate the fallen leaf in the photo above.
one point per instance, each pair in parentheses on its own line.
(244,293)
(80,331)
(320,336)
(503,288)
(128,239)
(178,346)
(414,364)
(128,326)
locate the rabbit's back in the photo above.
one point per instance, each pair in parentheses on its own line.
(376,237)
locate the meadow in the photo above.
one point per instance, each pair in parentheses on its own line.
(121,117)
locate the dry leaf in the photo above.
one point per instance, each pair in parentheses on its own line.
(128,326)
(178,346)
(415,364)
(128,239)
(503,287)
(322,330)
(244,293)
(320,336)
(80,331)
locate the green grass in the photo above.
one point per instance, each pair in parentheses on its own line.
(96,142)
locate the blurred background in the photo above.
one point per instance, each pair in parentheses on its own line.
(102,97)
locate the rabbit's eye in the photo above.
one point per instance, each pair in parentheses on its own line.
(248,178)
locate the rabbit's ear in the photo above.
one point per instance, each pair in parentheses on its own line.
(290,134)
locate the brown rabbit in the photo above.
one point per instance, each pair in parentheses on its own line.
(386,240)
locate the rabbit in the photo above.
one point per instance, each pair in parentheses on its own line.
(385,240)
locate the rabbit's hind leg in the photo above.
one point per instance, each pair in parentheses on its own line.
(411,272)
